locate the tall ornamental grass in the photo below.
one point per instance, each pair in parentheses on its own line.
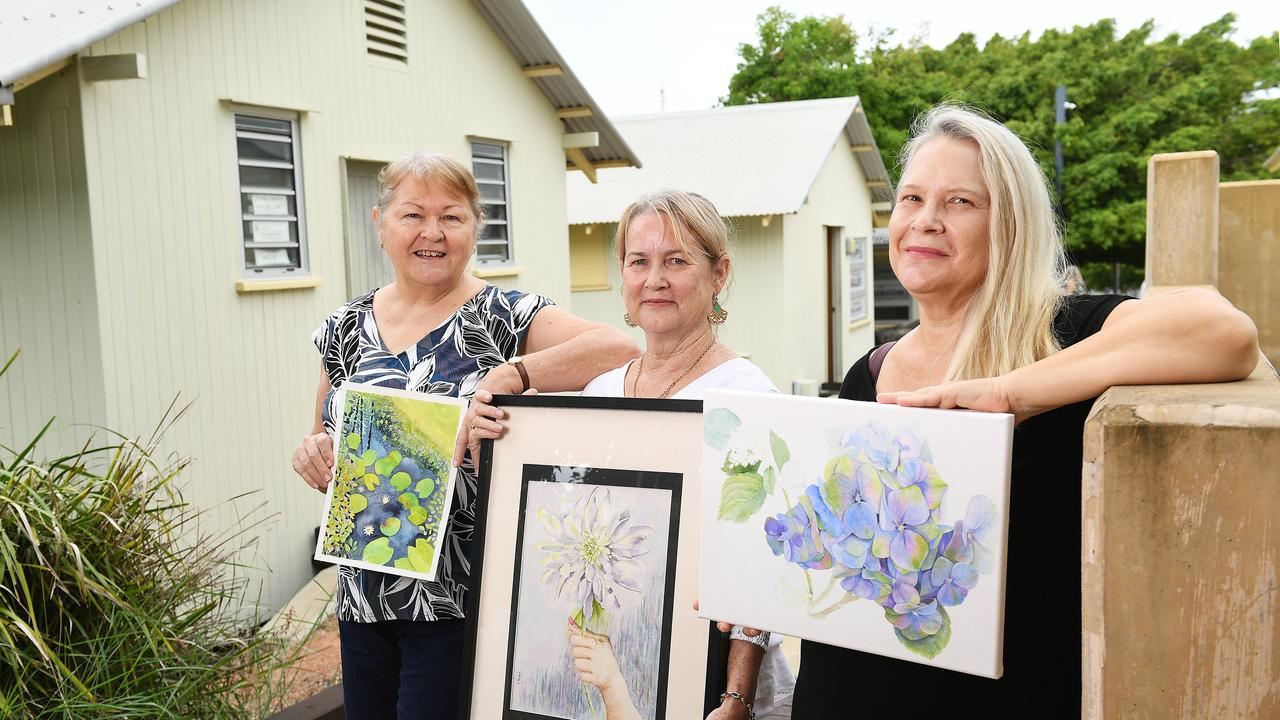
(112,602)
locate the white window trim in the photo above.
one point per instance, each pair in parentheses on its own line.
(506,184)
(299,191)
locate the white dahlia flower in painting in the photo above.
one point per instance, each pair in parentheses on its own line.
(591,553)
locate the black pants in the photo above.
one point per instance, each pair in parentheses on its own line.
(401,669)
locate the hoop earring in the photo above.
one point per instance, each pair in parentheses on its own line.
(626,318)
(718,314)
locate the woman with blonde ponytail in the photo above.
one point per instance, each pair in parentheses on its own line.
(974,240)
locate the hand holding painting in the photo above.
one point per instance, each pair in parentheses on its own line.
(596,664)
(313,460)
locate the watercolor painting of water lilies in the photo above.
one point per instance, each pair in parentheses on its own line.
(872,527)
(596,553)
(389,499)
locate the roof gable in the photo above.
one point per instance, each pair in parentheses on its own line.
(748,160)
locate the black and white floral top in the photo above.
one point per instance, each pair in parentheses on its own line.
(451,360)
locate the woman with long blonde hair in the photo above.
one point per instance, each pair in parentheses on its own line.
(974,240)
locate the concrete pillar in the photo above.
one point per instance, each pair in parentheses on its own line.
(1182,219)
(1181,552)
(1249,256)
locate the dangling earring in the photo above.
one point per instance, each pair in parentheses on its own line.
(718,314)
(626,318)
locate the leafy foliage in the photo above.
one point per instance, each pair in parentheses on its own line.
(112,603)
(1134,95)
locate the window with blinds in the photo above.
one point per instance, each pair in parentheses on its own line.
(273,232)
(385,33)
(489,164)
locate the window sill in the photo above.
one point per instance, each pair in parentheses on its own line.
(497,272)
(252,286)
(590,288)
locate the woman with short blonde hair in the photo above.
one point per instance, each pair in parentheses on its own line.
(435,329)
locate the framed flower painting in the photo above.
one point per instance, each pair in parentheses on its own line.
(586,564)
(873,527)
(389,498)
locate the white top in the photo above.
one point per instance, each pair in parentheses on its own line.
(776,682)
(735,374)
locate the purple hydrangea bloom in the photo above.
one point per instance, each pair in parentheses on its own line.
(915,619)
(906,529)
(794,536)
(953,580)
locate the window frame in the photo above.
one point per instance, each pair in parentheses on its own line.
(505,184)
(299,218)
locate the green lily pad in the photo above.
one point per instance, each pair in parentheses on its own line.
(390,526)
(425,487)
(368,457)
(386,465)
(418,515)
(357,503)
(420,554)
(408,499)
(371,481)
(353,441)
(401,480)
(378,552)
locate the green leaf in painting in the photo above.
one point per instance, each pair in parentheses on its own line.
(781,453)
(930,646)
(420,554)
(390,526)
(717,426)
(371,481)
(405,564)
(357,503)
(401,480)
(408,499)
(741,496)
(418,515)
(378,552)
(353,441)
(368,457)
(770,480)
(425,487)
(387,465)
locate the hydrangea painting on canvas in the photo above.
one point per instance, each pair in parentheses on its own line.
(870,526)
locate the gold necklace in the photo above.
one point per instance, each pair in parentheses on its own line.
(635,384)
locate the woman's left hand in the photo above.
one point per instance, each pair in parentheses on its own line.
(483,419)
(985,395)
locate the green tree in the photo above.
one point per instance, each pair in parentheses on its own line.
(1135,96)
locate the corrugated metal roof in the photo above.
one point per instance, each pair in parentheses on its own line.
(531,47)
(747,159)
(37,33)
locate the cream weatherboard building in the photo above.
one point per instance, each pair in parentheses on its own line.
(184,195)
(799,183)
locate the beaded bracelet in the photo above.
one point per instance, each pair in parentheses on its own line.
(751,713)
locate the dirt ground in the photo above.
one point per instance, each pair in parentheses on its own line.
(318,666)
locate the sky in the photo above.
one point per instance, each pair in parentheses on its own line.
(647,56)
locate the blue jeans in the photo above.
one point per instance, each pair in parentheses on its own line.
(401,669)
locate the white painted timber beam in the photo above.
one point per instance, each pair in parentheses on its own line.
(128,66)
(571,141)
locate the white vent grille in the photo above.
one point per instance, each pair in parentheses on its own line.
(384,29)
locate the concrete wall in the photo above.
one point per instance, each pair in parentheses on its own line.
(48,307)
(1249,255)
(1181,499)
(164,211)
(1181,549)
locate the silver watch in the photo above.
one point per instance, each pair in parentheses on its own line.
(761,641)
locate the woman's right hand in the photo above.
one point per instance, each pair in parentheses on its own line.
(313,460)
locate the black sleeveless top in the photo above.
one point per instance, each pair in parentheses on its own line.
(1042,601)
